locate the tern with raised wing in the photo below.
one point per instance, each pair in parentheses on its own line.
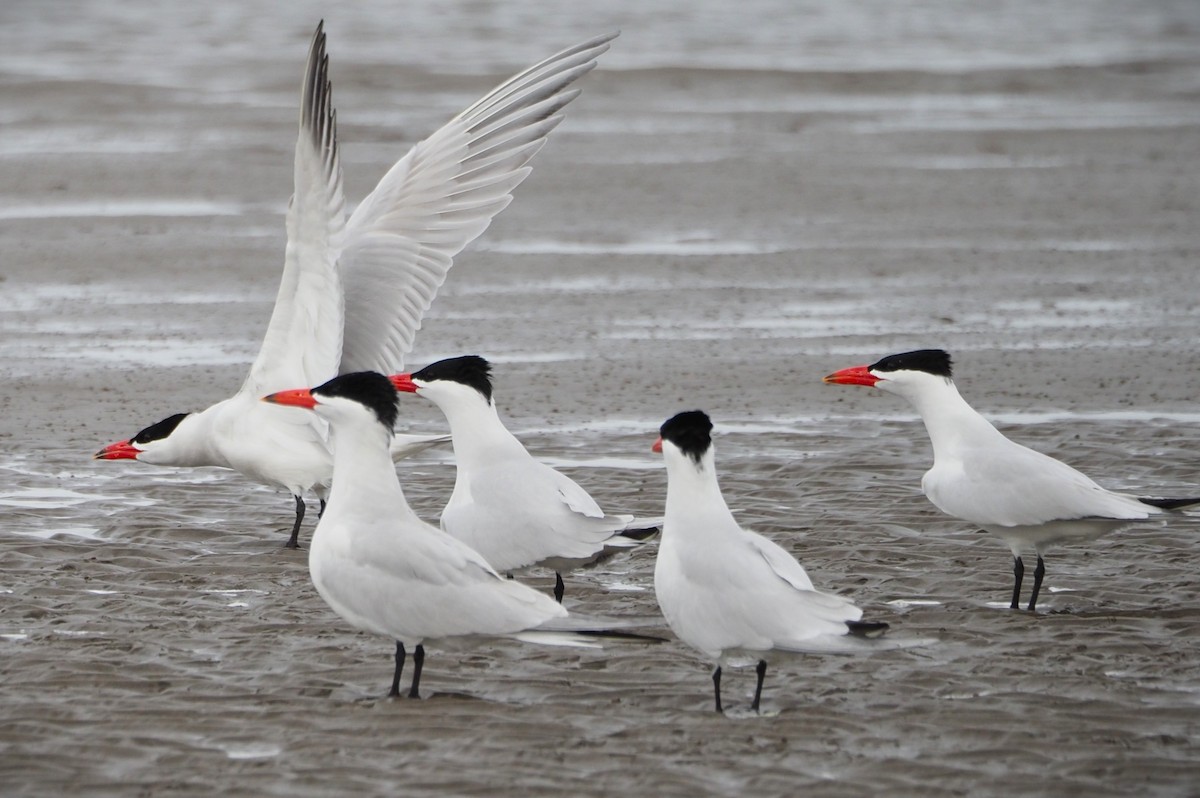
(354,290)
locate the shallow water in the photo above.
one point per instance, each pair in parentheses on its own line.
(743,199)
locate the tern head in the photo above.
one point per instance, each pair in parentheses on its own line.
(153,445)
(903,374)
(689,433)
(469,376)
(347,396)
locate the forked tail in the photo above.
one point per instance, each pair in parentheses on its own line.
(868,629)
(1170,504)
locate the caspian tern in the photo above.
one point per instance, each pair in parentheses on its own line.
(514,510)
(1024,497)
(732,594)
(383,569)
(354,290)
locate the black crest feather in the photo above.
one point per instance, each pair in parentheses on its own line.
(368,388)
(470,370)
(931,361)
(690,431)
(156,432)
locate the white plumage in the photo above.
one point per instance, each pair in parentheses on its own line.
(513,509)
(731,593)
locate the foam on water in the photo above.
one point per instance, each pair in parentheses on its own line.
(650,463)
(676,248)
(120,208)
(979,161)
(250,750)
(151,352)
(46,498)
(35,296)
(804,424)
(47,532)
(83,332)
(37,507)
(830,243)
(1180,119)
(622,587)
(580,284)
(175,49)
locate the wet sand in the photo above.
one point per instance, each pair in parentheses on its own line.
(715,238)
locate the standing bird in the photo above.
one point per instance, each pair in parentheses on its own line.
(514,510)
(1024,497)
(379,566)
(354,290)
(730,593)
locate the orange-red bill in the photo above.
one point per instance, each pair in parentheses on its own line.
(657,447)
(121,450)
(856,375)
(300,397)
(403,383)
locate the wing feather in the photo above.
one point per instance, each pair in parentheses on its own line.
(401,241)
(1012,485)
(303,341)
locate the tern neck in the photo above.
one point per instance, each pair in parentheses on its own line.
(693,491)
(193,443)
(949,420)
(364,475)
(478,433)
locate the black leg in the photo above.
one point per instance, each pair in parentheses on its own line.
(761,670)
(559,588)
(1038,573)
(717,686)
(395,691)
(418,663)
(1018,575)
(294,540)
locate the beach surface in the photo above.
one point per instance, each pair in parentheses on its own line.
(742,200)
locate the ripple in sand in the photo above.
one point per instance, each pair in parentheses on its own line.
(250,750)
(45,498)
(623,587)
(677,248)
(110,208)
(907,603)
(89,532)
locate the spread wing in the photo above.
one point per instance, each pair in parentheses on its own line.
(400,242)
(304,338)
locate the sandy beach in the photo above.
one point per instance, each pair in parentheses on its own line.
(732,209)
